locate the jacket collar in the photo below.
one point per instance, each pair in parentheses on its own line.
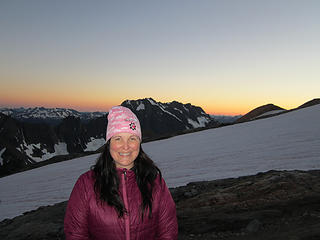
(129,172)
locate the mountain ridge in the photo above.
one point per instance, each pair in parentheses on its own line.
(255,113)
(38,114)
(25,143)
(270,110)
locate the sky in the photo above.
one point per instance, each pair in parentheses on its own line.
(227,57)
(277,143)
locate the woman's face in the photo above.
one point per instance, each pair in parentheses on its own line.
(124,149)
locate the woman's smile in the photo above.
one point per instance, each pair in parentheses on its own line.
(124,154)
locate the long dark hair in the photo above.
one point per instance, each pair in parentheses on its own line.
(106,184)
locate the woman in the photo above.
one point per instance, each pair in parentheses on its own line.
(123,196)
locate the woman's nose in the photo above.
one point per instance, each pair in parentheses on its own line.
(125,145)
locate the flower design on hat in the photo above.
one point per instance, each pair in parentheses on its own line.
(133,126)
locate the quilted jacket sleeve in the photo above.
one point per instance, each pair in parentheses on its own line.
(75,221)
(168,225)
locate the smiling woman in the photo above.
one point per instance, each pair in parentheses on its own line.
(123,196)
(124,149)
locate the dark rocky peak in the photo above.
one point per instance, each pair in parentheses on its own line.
(22,144)
(71,132)
(186,109)
(193,112)
(172,107)
(10,130)
(155,120)
(97,127)
(12,149)
(145,104)
(161,119)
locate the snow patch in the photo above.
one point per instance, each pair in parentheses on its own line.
(186,108)
(29,150)
(200,123)
(59,149)
(1,159)
(95,144)
(162,108)
(270,113)
(178,110)
(193,123)
(152,102)
(140,107)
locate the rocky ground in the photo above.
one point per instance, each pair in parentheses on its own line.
(276,205)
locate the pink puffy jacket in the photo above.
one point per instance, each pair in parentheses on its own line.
(87,219)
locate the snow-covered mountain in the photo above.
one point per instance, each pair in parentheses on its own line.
(161,119)
(48,114)
(284,142)
(23,143)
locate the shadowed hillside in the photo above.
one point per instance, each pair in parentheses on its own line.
(310,103)
(258,112)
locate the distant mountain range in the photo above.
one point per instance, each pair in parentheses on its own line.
(56,115)
(51,115)
(29,136)
(226,119)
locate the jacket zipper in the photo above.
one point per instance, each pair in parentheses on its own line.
(125,199)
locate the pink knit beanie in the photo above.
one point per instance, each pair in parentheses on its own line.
(122,120)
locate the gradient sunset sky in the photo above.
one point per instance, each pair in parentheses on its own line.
(227,57)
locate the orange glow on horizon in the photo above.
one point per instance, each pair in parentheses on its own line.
(83,105)
(101,103)
(92,105)
(224,110)
(104,107)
